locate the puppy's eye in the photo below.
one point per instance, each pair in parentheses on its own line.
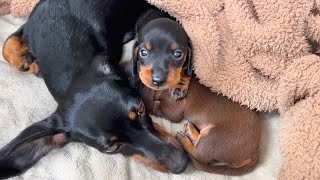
(177,54)
(141,108)
(114,147)
(143,53)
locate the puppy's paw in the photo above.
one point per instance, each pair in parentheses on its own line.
(185,142)
(181,90)
(178,93)
(193,133)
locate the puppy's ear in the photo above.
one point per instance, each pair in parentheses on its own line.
(189,60)
(30,146)
(134,59)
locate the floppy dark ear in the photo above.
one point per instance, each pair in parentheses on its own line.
(30,146)
(189,60)
(134,59)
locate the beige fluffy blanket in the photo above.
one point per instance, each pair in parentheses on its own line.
(262,53)
(259,53)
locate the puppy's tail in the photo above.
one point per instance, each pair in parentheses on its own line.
(233,169)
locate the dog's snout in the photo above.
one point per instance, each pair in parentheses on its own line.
(176,161)
(157,80)
(183,164)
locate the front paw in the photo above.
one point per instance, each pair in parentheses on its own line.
(181,90)
(185,142)
(178,92)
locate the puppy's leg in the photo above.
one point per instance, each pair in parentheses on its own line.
(16,52)
(186,143)
(194,135)
(181,89)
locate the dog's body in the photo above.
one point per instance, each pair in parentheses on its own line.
(77,45)
(217,129)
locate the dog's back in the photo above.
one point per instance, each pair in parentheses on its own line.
(56,43)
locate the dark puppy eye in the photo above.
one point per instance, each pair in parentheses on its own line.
(112,148)
(143,53)
(141,108)
(177,54)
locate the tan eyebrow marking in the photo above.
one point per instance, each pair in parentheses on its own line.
(113,138)
(148,45)
(173,46)
(132,115)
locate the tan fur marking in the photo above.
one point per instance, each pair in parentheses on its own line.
(13,52)
(239,165)
(173,77)
(186,143)
(149,163)
(148,45)
(191,132)
(132,115)
(145,75)
(183,83)
(167,137)
(113,139)
(173,46)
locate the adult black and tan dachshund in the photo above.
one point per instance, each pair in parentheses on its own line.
(76,45)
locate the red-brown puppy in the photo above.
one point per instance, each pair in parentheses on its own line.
(219,131)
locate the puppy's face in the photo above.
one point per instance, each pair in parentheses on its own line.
(161,50)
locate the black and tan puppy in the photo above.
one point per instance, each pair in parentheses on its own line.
(162,56)
(77,45)
(221,136)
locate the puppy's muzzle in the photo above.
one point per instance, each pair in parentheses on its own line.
(158,77)
(158,80)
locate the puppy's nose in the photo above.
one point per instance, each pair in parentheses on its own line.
(157,80)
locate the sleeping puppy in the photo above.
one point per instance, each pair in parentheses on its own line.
(218,131)
(76,45)
(162,55)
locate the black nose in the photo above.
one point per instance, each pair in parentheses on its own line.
(157,80)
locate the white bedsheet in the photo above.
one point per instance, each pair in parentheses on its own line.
(24,99)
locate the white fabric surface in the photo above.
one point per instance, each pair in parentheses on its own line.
(24,99)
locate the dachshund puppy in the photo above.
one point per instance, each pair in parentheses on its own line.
(162,55)
(219,131)
(76,45)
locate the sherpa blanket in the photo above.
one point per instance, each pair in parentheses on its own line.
(262,53)
(24,99)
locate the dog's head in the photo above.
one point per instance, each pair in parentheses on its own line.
(128,129)
(102,111)
(161,54)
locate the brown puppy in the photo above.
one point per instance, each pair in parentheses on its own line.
(218,129)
